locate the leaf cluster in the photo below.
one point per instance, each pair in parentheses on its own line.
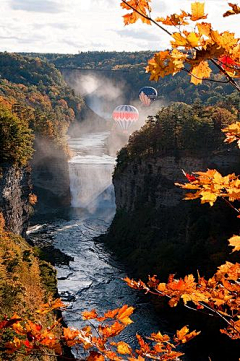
(31,338)
(211,185)
(218,295)
(22,288)
(190,50)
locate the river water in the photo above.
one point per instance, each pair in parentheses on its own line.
(93,279)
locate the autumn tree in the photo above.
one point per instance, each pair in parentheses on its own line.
(16,138)
(192,50)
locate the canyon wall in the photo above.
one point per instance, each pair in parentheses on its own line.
(14,198)
(155,231)
(50,177)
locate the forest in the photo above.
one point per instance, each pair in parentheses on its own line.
(162,229)
(130,68)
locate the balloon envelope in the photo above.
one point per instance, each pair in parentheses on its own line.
(125,116)
(147,95)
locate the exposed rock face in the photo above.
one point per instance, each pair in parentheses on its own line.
(50,177)
(155,231)
(14,198)
(152,180)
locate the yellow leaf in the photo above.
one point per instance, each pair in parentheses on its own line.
(193,39)
(179,40)
(197,11)
(224,40)
(122,347)
(234,241)
(202,70)
(175,62)
(190,40)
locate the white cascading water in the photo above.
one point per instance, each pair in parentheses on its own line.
(90,174)
(93,278)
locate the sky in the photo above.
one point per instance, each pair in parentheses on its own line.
(72,26)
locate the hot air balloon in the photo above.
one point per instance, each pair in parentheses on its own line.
(125,116)
(147,95)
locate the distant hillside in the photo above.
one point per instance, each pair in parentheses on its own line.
(130,68)
(35,90)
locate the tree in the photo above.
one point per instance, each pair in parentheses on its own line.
(15,138)
(192,51)
(219,294)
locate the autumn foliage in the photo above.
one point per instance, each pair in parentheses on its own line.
(192,50)
(194,44)
(30,338)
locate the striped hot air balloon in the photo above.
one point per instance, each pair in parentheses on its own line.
(147,95)
(125,116)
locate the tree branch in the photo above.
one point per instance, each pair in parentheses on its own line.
(148,18)
(230,79)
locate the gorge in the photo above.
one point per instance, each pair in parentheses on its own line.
(153,231)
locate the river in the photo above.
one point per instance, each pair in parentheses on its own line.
(93,279)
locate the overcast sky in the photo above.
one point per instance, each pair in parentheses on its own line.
(70,26)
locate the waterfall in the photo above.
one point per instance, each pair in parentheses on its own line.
(91,176)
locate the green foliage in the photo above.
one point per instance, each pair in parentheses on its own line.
(16,138)
(129,67)
(163,239)
(37,93)
(176,128)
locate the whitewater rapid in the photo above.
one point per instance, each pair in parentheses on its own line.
(93,279)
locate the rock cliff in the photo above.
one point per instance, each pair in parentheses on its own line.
(14,198)
(155,231)
(153,178)
(50,177)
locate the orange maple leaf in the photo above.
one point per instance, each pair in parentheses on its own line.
(124,313)
(122,347)
(89,315)
(235,10)
(140,9)
(112,330)
(51,305)
(143,345)
(184,336)
(234,241)
(174,19)
(158,337)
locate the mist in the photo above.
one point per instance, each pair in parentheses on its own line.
(102,94)
(95,139)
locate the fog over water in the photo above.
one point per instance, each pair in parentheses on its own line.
(94,278)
